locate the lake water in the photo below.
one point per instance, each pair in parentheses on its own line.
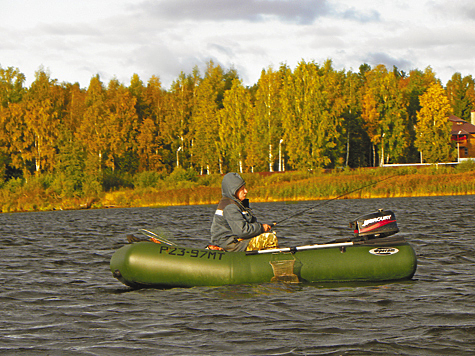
(58,296)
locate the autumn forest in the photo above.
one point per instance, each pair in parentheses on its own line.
(305,118)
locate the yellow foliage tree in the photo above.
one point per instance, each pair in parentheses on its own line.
(41,122)
(433,127)
(233,123)
(121,122)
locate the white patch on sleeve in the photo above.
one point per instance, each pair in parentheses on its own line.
(219,212)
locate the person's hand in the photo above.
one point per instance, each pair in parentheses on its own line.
(266,227)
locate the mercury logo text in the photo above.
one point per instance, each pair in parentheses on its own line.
(378,219)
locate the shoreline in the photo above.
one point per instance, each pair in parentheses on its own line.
(282,187)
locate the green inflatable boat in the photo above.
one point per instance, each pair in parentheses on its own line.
(371,256)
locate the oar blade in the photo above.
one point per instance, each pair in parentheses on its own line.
(157,236)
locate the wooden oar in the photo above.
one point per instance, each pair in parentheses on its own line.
(155,236)
(301,248)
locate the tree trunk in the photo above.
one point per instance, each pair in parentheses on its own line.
(271,169)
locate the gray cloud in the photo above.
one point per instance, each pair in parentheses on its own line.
(66,29)
(456,10)
(165,37)
(353,14)
(224,50)
(376,58)
(303,11)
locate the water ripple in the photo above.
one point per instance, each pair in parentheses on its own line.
(58,295)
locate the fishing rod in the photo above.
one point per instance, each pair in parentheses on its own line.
(327,201)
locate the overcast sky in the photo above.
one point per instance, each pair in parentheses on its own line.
(77,39)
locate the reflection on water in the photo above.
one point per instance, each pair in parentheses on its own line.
(59,297)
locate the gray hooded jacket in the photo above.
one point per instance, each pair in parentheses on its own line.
(232,220)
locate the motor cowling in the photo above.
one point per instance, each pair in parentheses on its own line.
(376,225)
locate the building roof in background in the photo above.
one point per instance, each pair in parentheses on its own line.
(461,127)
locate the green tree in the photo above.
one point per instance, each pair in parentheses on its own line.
(137,90)
(354,138)
(268,119)
(334,103)
(312,111)
(207,149)
(233,124)
(413,86)
(433,127)
(384,114)
(69,167)
(70,173)
(460,93)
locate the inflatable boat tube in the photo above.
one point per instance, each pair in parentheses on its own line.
(147,264)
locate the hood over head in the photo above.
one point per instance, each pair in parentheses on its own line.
(230,185)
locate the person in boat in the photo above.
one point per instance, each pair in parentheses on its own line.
(234,227)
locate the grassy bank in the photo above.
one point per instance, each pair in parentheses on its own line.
(287,186)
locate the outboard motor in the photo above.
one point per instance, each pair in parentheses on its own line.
(375,225)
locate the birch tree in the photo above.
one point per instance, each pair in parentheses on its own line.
(312,115)
(433,127)
(384,114)
(233,124)
(207,149)
(178,114)
(11,93)
(93,130)
(150,140)
(122,123)
(268,116)
(41,122)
